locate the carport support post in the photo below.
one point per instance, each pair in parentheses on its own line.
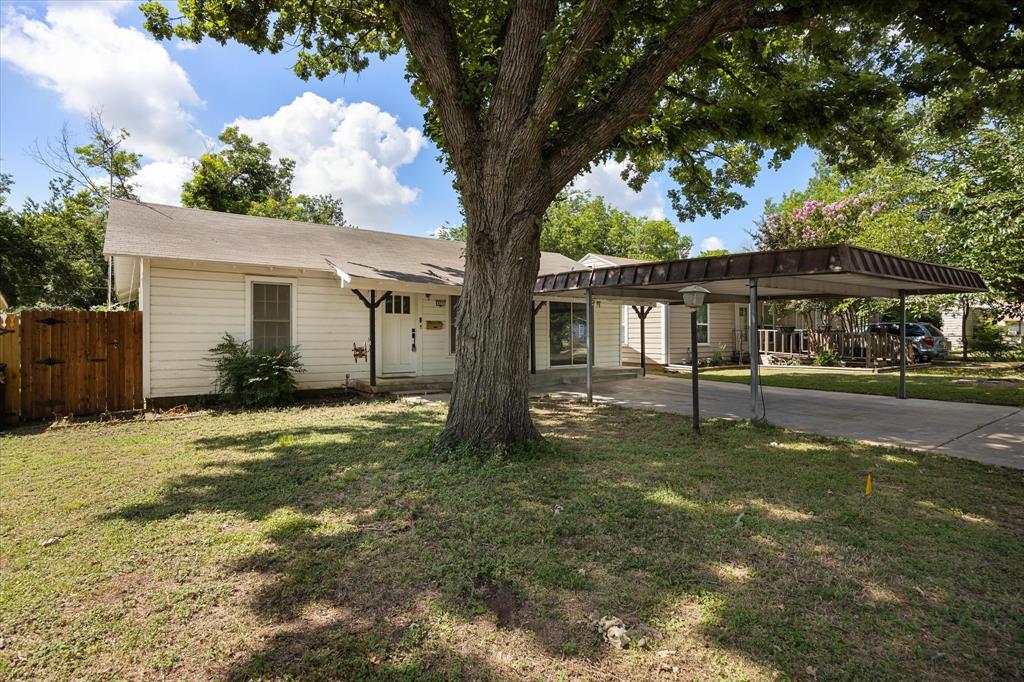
(590,346)
(694,360)
(755,351)
(903,345)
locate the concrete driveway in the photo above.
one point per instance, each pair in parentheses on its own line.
(985,433)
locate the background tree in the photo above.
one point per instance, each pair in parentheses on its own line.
(243,178)
(103,167)
(51,253)
(521,97)
(958,201)
(577,223)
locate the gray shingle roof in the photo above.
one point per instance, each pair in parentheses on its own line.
(159,231)
(617,260)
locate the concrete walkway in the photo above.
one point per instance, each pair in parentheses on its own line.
(985,433)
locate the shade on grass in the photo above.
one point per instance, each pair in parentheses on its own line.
(327,542)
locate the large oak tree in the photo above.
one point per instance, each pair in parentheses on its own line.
(523,96)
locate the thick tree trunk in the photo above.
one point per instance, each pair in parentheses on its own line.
(490,394)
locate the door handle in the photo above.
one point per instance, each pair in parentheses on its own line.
(413,339)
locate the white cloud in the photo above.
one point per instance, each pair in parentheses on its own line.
(79,52)
(711,244)
(606,180)
(352,151)
(160,181)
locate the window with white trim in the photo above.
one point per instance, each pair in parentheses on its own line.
(624,335)
(703,324)
(271,316)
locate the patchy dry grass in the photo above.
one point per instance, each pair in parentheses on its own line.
(992,383)
(325,543)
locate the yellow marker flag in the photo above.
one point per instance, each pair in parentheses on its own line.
(867,488)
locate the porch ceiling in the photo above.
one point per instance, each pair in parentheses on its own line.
(814,272)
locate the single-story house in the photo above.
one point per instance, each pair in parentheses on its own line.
(198,274)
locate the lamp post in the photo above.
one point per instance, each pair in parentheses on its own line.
(693,299)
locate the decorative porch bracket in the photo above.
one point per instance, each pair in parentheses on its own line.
(642,312)
(533,337)
(372,306)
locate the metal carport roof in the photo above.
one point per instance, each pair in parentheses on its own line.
(836,271)
(840,270)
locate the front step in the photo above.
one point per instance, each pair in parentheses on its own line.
(548,379)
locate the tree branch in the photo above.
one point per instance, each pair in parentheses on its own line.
(593,127)
(966,52)
(520,64)
(572,60)
(429,32)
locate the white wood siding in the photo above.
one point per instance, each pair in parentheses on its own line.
(721,332)
(607,334)
(434,344)
(188,307)
(652,338)
(541,336)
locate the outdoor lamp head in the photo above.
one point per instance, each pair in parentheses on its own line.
(693,296)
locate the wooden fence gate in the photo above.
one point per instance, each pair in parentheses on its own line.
(78,362)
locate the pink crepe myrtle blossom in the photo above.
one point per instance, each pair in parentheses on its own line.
(815,223)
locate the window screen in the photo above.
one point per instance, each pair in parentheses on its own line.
(271,317)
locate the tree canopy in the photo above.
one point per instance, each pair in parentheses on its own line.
(243,178)
(578,224)
(51,253)
(958,201)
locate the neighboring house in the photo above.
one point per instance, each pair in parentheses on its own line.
(952,326)
(198,274)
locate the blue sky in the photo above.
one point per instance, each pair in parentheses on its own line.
(357,136)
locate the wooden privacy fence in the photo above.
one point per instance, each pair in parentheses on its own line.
(62,362)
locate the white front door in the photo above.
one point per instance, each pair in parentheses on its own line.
(398,335)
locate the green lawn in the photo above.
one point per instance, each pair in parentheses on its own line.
(993,383)
(326,543)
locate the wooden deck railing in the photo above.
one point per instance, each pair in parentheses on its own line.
(863,349)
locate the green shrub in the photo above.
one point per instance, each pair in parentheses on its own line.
(826,357)
(988,338)
(254,379)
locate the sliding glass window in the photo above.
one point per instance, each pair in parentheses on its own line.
(568,333)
